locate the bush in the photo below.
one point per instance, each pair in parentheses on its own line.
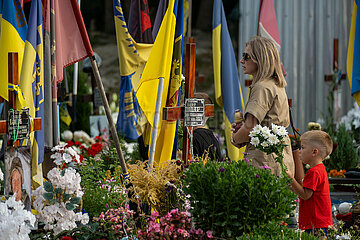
(345,156)
(231,197)
(274,231)
(102,188)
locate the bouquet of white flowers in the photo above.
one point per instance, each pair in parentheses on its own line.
(57,199)
(15,221)
(270,141)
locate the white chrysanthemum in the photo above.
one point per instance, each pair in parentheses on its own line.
(67,135)
(252,134)
(266,132)
(255,141)
(265,144)
(273,139)
(1,175)
(257,129)
(282,131)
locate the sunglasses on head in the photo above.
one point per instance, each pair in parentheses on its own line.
(246,56)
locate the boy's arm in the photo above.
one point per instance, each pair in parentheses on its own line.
(304,193)
(299,168)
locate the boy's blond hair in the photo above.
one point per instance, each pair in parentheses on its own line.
(320,140)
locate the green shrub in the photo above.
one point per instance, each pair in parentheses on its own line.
(274,231)
(102,188)
(230,198)
(345,156)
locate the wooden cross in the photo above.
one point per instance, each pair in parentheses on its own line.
(330,77)
(13,78)
(175,113)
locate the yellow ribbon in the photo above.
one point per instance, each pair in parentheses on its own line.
(17,90)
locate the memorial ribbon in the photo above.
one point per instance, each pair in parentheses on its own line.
(17,90)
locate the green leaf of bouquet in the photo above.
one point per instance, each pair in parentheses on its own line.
(52,201)
(48,186)
(48,195)
(70,206)
(66,196)
(63,172)
(75,200)
(58,190)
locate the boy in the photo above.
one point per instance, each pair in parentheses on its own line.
(315,206)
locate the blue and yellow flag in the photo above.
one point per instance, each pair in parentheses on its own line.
(158,65)
(132,58)
(166,144)
(12,38)
(227,87)
(353,54)
(32,83)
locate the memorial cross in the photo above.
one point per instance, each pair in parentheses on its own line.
(6,125)
(181,113)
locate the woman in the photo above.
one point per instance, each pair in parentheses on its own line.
(267,103)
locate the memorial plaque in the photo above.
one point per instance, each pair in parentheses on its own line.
(194,112)
(97,98)
(18,124)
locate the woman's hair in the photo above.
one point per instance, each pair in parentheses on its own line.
(264,53)
(320,140)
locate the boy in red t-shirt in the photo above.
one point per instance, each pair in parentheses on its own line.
(315,213)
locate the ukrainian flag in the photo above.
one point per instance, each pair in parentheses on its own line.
(353,55)
(165,147)
(32,83)
(12,38)
(132,58)
(227,88)
(158,65)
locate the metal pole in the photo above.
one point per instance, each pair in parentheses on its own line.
(75,85)
(108,115)
(156,122)
(189,20)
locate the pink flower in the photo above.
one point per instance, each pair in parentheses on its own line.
(168,216)
(199,231)
(209,234)
(154,215)
(174,211)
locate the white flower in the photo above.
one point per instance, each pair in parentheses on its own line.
(265,144)
(255,141)
(356,123)
(273,139)
(15,222)
(257,129)
(281,131)
(67,135)
(1,175)
(266,132)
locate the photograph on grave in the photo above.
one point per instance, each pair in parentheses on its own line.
(98,125)
(18,174)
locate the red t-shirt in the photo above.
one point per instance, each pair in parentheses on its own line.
(316,211)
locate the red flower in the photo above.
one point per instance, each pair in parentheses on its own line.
(69,143)
(98,138)
(77,143)
(67,238)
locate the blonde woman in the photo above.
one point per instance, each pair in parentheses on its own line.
(267,103)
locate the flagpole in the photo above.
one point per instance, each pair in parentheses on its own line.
(108,115)
(75,85)
(156,121)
